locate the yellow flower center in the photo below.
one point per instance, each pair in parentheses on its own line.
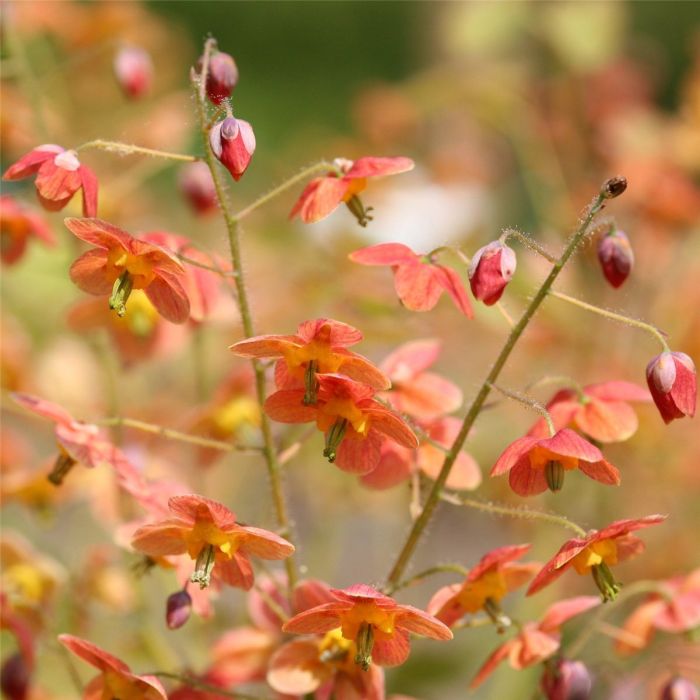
(138,266)
(116,687)
(356,186)
(342,408)
(206,533)
(602,552)
(539,456)
(382,621)
(140,316)
(24,583)
(337,651)
(474,593)
(318,350)
(239,411)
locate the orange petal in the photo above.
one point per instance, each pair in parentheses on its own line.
(160,539)
(370,166)
(264,346)
(394,651)
(89,273)
(168,296)
(385,254)
(265,544)
(296,669)
(287,406)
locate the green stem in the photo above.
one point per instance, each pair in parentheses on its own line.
(514,512)
(127,149)
(323,166)
(528,242)
(171,434)
(633,322)
(204,266)
(207,687)
(269,452)
(530,403)
(610,188)
(439,569)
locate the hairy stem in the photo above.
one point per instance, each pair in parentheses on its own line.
(530,403)
(610,189)
(128,149)
(528,242)
(439,569)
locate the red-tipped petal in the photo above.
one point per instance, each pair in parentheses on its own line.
(89,273)
(385,254)
(31,162)
(169,297)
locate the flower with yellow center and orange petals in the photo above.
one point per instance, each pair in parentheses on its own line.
(17,225)
(377,624)
(596,553)
(208,533)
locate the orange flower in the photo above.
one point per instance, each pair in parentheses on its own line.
(595,553)
(116,679)
(59,175)
(354,423)
(319,347)
(536,641)
(17,225)
(324,194)
(486,584)
(601,411)
(122,263)
(419,281)
(537,464)
(377,624)
(207,531)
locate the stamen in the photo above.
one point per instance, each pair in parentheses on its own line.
(604,579)
(121,292)
(63,464)
(498,617)
(365,643)
(334,437)
(310,384)
(554,474)
(203,566)
(358,210)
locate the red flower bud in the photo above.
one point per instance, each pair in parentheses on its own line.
(233,143)
(222,76)
(134,71)
(177,609)
(673,385)
(679,688)
(490,271)
(14,678)
(566,680)
(616,257)
(197,185)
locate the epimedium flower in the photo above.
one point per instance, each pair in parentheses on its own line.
(536,464)
(208,533)
(59,175)
(77,442)
(133,70)
(485,586)
(675,609)
(121,263)
(377,624)
(421,394)
(233,143)
(536,641)
(490,270)
(319,347)
(616,257)
(601,411)
(418,279)
(19,224)
(673,385)
(354,423)
(116,679)
(324,194)
(595,553)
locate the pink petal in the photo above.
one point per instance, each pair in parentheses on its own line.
(385,254)
(89,184)
(602,471)
(287,406)
(296,669)
(556,566)
(93,654)
(418,285)
(452,283)
(394,467)
(525,480)
(31,162)
(623,527)
(360,369)
(264,346)
(489,666)
(617,391)
(359,455)
(419,622)
(99,233)
(168,296)
(557,614)
(412,358)
(236,572)
(193,507)
(320,198)
(513,454)
(465,474)
(427,396)
(445,606)
(394,651)
(160,539)
(378,167)
(266,545)
(607,421)
(311,593)
(318,620)
(89,273)
(567,443)
(44,408)
(361,685)
(639,627)
(496,558)
(391,426)
(336,333)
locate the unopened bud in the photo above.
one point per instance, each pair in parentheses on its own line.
(679,688)
(490,270)
(222,76)
(177,609)
(616,257)
(673,385)
(134,71)
(197,185)
(233,143)
(566,680)
(614,187)
(14,678)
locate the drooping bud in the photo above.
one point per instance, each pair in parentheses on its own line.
(614,187)
(14,678)
(334,437)
(197,185)
(616,257)
(233,143)
(673,385)
(554,474)
(133,69)
(491,268)
(222,76)
(566,680)
(679,688)
(365,644)
(177,609)
(604,579)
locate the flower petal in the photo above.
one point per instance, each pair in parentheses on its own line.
(512,455)
(390,425)
(417,285)
(44,408)
(192,507)
(452,283)
(318,620)
(370,166)
(607,421)
(89,183)
(169,297)
(265,346)
(92,654)
(557,614)
(601,471)
(31,162)
(385,254)
(526,480)
(98,232)
(357,455)
(286,406)
(236,572)
(320,198)
(160,539)
(296,669)
(265,544)
(394,651)
(420,622)
(489,666)
(335,333)
(394,467)
(89,273)
(618,391)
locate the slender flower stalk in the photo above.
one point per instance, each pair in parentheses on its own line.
(269,451)
(128,149)
(528,242)
(422,575)
(610,189)
(530,403)
(197,684)
(633,322)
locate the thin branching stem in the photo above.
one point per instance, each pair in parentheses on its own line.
(128,149)
(530,403)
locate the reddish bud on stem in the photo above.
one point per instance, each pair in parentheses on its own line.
(491,269)
(566,680)
(673,385)
(197,185)
(616,257)
(177,609)
(14,678)
(233,143)
(222,76)
(134,71)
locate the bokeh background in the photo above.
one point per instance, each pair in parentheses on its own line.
(514,113)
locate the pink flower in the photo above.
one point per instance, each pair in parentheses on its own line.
(59,175)
(377,624)
(673,385)
(233,143)
(536,641)
(133,69)
(116,679)
(535,464)
(207,531)
(490,270)
(197,185)
(324,194)
(595,553)
(616,257)
(419,280)
(17,225)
